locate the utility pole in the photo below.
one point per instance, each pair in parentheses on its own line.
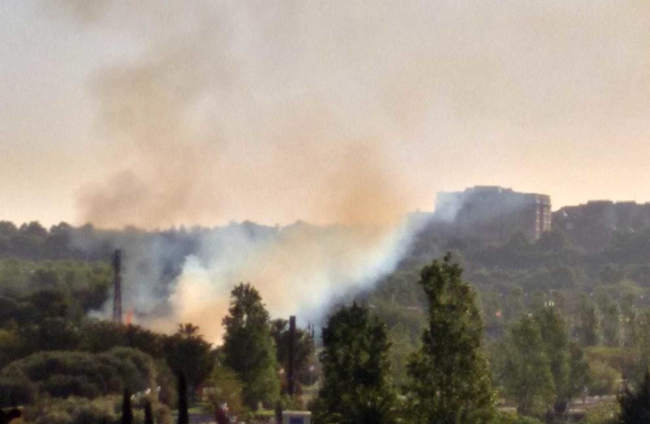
(291,366)
(117,286)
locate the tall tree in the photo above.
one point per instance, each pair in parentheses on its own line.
(355,387)
(127,412)
(526,372)
(635,407)
(629,317)
(183,417)
(449,378)
(611,322)
(643,339)
(248,347)
(588,324)
(580,375)
(555,338)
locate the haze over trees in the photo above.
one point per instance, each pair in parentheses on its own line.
(578,316)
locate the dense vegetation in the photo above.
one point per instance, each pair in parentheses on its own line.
(557,321)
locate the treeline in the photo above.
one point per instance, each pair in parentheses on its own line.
(585,311)
(53,358)
(52,352)
(537,369)
(450,374)
(599,298)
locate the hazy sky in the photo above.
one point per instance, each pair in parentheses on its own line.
(167,112)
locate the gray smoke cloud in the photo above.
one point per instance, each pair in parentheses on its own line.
(280,110)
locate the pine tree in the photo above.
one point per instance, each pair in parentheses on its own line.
(635,407)
(355,387)
(248,347)
(449,377)
(183,417)
(127,413)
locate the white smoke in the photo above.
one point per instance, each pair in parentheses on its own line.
(298,269)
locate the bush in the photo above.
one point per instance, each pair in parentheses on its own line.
(514,418)
(15,388)
(79,374)
(84,411)
(604,379)
(60,385)
(74,411)
(603,413)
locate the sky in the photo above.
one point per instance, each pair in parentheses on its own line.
(163,113)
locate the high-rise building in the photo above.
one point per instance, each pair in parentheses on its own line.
(494,213)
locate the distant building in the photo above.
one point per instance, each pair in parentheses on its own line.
(593,224)
(494,213)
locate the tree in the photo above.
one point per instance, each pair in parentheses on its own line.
(629,317)
(226,391)
(355,363)
(643,338)
(303,348)
(611,323)
(514,306)
(187,351)
(580,375)
(635,407)
(449,378)
(555,339)
(8,229)
(248,347)
(526,372)
(567,363)
(183,417)
(588,325)
(127,412)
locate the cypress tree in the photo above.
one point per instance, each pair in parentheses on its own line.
(183,417)
(127,413)
(449,378)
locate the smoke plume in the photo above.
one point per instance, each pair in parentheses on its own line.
(328,111)
(232,110)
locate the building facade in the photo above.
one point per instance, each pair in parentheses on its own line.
(494,213)
(593,224)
